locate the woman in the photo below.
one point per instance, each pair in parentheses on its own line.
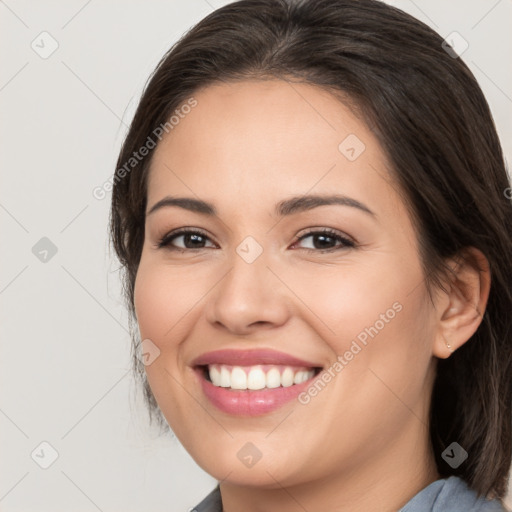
(310,207)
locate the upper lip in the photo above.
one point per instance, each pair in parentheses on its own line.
(253,357)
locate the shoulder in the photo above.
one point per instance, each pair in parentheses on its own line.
(212,502)
(453,495)
(446,495)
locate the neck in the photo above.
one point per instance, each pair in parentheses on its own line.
(385,483)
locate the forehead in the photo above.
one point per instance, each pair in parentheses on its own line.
(271,117)
(256,139)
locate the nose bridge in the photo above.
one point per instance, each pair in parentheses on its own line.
(249,292)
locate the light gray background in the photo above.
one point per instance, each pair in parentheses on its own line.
(65,363)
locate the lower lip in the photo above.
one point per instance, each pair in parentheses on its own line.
(250,402)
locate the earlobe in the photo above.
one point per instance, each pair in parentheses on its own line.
(448,346)
(465,302)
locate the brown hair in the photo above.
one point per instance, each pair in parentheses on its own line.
(432,120)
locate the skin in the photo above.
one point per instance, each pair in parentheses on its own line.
(362,443)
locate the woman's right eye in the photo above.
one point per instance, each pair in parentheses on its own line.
(190,238)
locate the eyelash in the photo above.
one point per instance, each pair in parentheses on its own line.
(165,241)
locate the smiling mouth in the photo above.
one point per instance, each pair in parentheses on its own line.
(256,377)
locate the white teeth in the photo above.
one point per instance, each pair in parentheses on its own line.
(225,377)
(238,378)
(273,378)
(215,376)
(287,377)
(300,377)
(254,378)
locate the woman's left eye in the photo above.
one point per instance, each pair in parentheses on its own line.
(324,240)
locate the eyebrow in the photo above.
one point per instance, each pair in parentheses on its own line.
(286,207)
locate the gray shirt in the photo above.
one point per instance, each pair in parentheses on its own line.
(445,495)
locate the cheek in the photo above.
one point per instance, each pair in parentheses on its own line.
(358,301)
(379,323)
(163,300)
(388,358)
(150,304)
(383,349)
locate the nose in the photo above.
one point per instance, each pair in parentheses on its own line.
(249,297)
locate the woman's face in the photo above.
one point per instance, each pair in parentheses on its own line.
(278,304)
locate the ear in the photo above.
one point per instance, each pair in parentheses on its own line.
(462,306)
